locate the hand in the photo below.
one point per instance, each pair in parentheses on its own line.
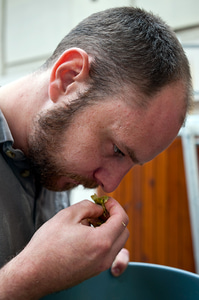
(120,263)
(65,251)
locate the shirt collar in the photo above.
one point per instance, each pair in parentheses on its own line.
(6,139)
(5,134)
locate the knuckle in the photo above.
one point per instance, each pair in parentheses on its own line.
(106,246)
(103,248)
(86,203)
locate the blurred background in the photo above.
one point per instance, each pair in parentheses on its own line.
(161,197)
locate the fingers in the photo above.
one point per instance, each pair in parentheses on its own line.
(120,263)
(84,210)
(87,248)
(115,233)
(117,245)
(109,238)
(118,220)
(114,229)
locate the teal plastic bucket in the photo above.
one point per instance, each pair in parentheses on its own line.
(140,281)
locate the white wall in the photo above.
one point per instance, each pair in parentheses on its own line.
(31,29)
(177,13)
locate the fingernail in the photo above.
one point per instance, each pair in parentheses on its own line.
(115,271)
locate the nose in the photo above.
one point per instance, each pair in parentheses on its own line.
(110,178)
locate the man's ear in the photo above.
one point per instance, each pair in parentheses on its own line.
(71,68)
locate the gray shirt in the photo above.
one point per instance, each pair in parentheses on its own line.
(24,204)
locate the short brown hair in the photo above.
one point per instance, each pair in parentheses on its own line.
(129,46)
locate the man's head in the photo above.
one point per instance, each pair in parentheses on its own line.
(128,47)
(121,87)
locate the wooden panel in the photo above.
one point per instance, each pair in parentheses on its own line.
(155,198)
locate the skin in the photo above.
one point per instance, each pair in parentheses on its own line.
(47,264)
(97,156)
(102,144)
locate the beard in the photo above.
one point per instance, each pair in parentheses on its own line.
(44,146)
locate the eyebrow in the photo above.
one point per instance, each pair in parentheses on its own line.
(132,155)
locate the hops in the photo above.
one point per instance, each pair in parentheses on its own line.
(101,201)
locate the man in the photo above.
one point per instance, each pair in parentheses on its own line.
(114,94)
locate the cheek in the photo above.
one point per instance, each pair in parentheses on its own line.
(83,160)
(82,149)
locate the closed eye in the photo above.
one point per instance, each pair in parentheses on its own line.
(118,151)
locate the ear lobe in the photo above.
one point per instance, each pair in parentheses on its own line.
(70,69)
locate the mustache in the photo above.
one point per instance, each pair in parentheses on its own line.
(50,181)
(81,180)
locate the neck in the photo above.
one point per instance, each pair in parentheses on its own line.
(20,101)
